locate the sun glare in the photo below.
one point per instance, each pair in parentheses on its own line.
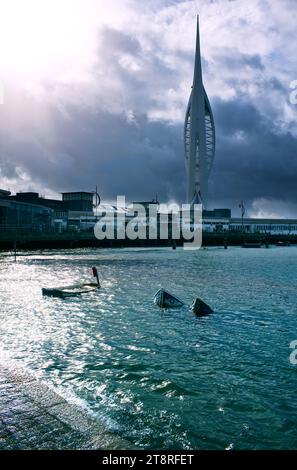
(41,38)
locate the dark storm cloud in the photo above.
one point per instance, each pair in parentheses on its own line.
(252,161)
(123,129)
(79,147)
(142,76)
(123,158)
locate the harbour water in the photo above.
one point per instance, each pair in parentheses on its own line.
(163,379)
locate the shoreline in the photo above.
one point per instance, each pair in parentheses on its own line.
(28,242)
(33,416)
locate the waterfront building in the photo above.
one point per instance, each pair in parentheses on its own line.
(217,213)
(81,201)
(250,226)
(30,211)
(214,221)
(199,136)
(16,216)
(80,209)
(264,226)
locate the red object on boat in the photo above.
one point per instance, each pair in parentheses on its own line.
(95,272)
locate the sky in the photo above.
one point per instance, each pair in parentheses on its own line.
(94,92)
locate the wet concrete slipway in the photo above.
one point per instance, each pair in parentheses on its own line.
(32,416)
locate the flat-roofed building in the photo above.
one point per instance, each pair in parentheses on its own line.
(15,215)
(250,226)
(78,201)
(264,226)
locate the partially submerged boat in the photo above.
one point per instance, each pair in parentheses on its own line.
(166,300)
(70,291)
(74,290)
(251,245)
(200,308)
(281,243)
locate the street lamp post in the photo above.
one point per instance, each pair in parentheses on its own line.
(241,206)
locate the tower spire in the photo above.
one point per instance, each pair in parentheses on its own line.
(199,135)
(198,67)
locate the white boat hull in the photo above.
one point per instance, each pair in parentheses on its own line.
(70,291)
(166,300)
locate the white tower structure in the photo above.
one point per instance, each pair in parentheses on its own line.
(199,136)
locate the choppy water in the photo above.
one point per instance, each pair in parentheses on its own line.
(164,379)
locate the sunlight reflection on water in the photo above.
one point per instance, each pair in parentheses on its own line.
(163,379)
